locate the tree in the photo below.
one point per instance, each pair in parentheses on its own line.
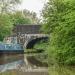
(18,18)
(59,20)
(32,16)
(8,5)
(6,26)
(6,23)
(24,17)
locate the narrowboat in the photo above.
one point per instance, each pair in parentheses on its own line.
(10,53)
(11,48)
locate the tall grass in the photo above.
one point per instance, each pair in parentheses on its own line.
(61,70)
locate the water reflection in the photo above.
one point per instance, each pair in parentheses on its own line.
(9,62)
(10,66)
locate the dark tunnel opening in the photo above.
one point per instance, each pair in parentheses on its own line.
(31,44)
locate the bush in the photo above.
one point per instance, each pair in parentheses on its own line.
(59,18)
(63,43)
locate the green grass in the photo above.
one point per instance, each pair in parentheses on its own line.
(61,70)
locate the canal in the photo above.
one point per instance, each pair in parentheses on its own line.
(14,61)
(26,64)
(18,64)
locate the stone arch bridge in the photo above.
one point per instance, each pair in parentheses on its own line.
(29,40)
(28,35)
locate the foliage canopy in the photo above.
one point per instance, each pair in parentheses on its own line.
(6,26)
(59,22)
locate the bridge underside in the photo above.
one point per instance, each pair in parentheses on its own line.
(31,43)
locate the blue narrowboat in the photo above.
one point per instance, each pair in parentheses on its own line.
(10,53)
(11,48)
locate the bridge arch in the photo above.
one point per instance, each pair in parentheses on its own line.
(32,42)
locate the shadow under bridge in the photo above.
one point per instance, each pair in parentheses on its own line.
(31,42)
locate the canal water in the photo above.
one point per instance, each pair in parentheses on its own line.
(16,64)
(11,57)
(10,62)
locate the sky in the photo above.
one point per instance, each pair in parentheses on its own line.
(33,5)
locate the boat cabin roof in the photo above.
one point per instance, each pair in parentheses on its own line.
(4,46)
